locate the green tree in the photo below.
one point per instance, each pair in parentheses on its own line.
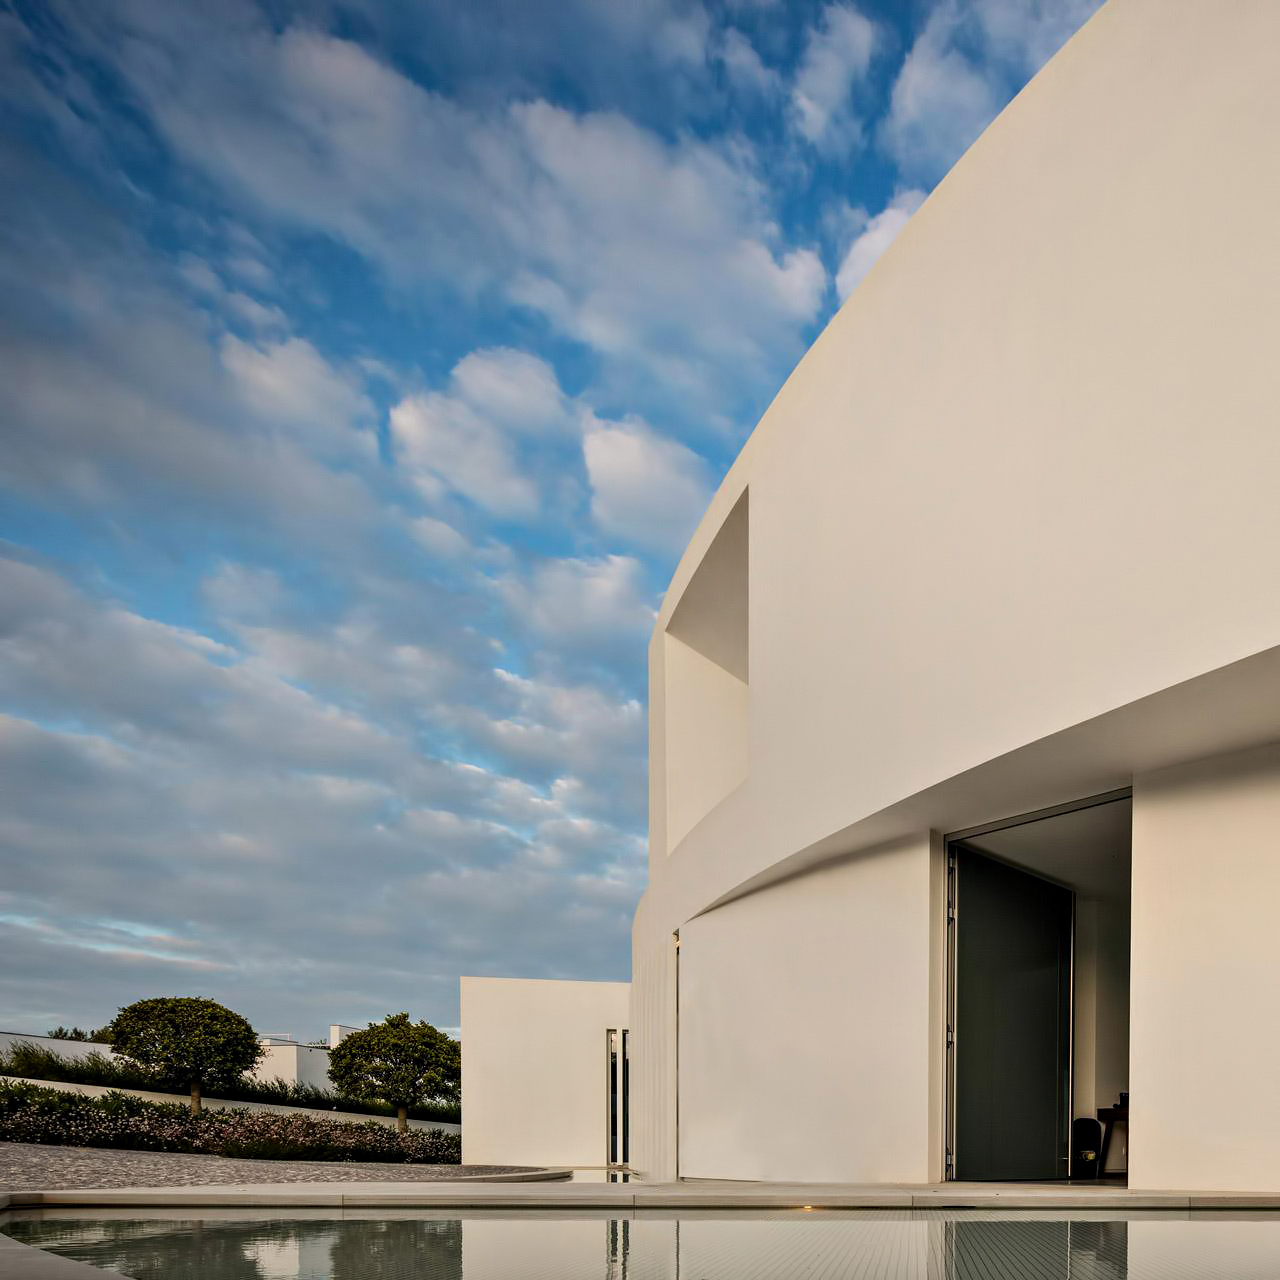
(401,1062)
(186,1041)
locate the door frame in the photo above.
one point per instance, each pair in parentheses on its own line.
(952,910)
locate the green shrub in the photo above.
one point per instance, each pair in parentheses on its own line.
(189,1041)
(35,1062)
(31,1114)
(398,1061)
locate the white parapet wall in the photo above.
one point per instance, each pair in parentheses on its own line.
(72,1050)
(294,1064)
(535,1079)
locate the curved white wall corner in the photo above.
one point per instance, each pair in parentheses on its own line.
(1012,518)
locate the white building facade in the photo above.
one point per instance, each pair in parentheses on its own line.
(965,697)
(544,1072)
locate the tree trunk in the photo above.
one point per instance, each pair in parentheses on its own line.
(402,1119)
(195,1097)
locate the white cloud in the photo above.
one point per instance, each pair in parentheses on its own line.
(438,537)
(645,488)
(290,383)
(1027,33)
(254,313)
(592,743)
(198,765)
(682,38)
(837,55)
(940,101)
(243,592)
(644,246)
(466,439)
(965,64)
(583,601)
(874,238)
(656,253)
(744,67)
(511,388)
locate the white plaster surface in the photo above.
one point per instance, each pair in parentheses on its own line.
(808,1006)
(1013,541)
(72,1050)
(1205,1110)
(294,1064)
(534,1074)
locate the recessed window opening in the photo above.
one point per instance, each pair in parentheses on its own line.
(706,657)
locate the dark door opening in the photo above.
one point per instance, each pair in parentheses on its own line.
(1012,1022)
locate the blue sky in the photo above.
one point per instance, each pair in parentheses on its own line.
(365,367)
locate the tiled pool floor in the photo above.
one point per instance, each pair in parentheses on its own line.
(836,1244)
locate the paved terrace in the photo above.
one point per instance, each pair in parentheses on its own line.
(28,1167)
(89,1177)
(61,1176)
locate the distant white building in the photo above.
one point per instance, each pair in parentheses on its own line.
(284,1057)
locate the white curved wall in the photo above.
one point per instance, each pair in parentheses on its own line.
(806,1007)
(1024,482)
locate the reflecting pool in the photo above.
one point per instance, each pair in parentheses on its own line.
(843,1244)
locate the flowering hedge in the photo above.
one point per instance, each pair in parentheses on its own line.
(31,1114)
(35,1062)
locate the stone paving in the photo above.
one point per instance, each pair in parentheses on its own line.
(25,1167)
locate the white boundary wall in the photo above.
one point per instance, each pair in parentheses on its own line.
(72,1050)
(294,1064)
(534,1074)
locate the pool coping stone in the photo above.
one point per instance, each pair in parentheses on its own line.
(531,1190)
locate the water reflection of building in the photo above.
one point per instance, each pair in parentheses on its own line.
(887,1244)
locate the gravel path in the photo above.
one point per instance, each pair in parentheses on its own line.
(25,1167)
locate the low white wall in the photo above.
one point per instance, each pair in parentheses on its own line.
(73,1050)
(534,1076)
(1205,1036)
(293,1063)
(805,1050)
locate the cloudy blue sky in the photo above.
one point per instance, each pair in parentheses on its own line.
(364,365)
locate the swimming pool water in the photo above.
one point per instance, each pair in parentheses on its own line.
(654,1245)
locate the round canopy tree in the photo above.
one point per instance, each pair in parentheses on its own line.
(397,1061)
(186,1041)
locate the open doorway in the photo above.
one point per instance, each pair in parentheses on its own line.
(1038,999)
